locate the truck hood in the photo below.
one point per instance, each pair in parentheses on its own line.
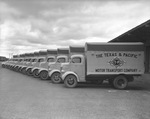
(65,67)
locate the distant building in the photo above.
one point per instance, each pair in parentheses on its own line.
(141,33)
(3,58)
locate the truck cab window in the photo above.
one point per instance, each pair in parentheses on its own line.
(41,60)
(50,60)
(76,60)
(34,60)
(61,60)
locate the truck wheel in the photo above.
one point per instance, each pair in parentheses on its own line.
(29,73)
(70,81)
(35,73)
(56,77)
(3,65)
(24,70)
(16,68)
(120,82)
(44,75)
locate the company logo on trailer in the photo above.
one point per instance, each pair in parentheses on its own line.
(116,62)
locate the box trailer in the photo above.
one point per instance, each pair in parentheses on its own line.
(55,73)
(116,62)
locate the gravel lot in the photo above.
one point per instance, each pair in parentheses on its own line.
(24,97)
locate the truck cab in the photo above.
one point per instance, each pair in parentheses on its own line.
(30,65)
(35,65)
(75,68)
(13,64)
(25,65)
(42,70)
(54,68)
(20,60)
(55,74)
(4,64)
(30,58)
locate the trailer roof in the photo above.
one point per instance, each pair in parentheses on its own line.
(140,33)
(76,49)
(114,46)
(36,53)
(43,52)
(53,52)
(62,51)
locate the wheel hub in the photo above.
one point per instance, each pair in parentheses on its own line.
(70,81)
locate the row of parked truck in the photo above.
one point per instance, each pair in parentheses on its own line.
(116,63)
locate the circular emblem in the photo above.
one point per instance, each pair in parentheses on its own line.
(116,62)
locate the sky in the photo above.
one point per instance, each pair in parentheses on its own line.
(34,25)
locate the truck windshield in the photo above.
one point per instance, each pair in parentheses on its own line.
(50,60)
(34,60)
(20,60)
(28,60)
(61,60)
(41,60)
(76,60)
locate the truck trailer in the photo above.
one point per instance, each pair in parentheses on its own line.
(117,63)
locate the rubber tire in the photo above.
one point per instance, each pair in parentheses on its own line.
(3,65)
(70,81)
(120,79)
(23,70)
(55,78)
(16,68)
(29,73)
(44,75)
(35,75)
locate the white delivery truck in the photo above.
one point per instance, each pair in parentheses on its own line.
(116,62)
(55,73)
(42,70)
(54,68)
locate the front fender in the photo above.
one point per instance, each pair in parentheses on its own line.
(42,69)
(52,71)
(69,73)
(34,68)
(28,68)
(23,67)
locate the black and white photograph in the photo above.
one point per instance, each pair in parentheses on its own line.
(74,59)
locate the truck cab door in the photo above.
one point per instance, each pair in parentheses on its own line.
(78,66)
